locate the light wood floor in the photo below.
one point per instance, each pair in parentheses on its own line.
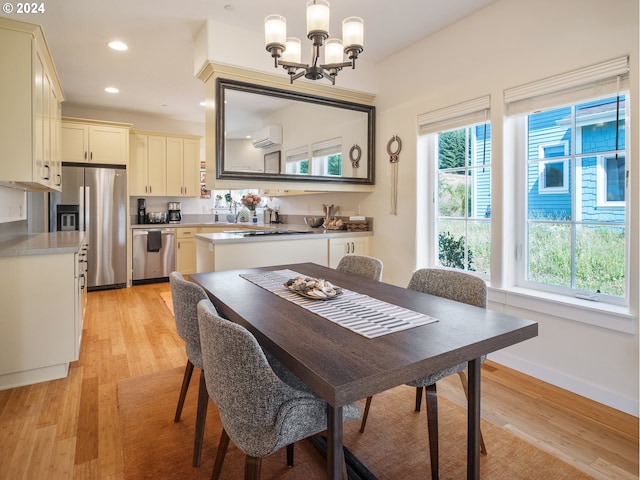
(69,428)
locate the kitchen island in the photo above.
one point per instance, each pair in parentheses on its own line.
(284,244)
(42,293)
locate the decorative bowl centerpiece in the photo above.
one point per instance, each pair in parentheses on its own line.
(315,288)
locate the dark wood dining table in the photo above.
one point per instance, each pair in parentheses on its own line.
(342,366)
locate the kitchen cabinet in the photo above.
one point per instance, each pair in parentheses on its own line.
(183,167)
(147,165)
(339,247)
(185,250)
(90,141)
(43,300)
(162,165)
(186,245)
(30,95)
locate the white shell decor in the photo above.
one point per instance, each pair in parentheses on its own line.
(315,288)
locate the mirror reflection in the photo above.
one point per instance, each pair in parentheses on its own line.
(264,132)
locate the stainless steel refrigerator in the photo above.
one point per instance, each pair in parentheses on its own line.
(94,199)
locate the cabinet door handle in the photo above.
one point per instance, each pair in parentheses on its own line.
(85,154)
(59,179)
(348,247)
(353,248)
(91,156)
(46,176)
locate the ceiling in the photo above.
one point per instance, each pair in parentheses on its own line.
(155,75)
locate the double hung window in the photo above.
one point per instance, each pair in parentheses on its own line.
(572,159)
(460,156)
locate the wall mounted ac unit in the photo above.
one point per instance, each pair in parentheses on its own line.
(267,136)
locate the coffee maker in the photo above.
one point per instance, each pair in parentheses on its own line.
(142,211)
(174,212)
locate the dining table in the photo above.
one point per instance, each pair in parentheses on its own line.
(371,338)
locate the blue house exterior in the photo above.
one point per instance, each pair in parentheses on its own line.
(599,167)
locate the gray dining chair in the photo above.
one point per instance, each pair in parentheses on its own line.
(185,296)
(362,265)
(453,285)
(260,413)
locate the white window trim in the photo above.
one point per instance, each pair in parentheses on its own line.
(601,179)
(542,187)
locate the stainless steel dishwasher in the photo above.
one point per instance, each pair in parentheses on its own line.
(154,254)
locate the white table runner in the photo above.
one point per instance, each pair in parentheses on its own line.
(359,313)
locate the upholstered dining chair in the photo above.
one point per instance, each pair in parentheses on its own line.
(363,265)
(260,413)
(185,296)
(453,285)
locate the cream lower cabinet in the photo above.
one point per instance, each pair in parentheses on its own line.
(41,327)
(90,141)
(186,250)
(30,97)
(339,247)
(186,246)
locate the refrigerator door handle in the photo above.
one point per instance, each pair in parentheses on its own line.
(87,206)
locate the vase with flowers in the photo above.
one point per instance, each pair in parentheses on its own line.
(250,201)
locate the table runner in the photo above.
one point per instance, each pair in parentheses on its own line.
(359,313)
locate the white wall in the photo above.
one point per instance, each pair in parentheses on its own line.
(509,43)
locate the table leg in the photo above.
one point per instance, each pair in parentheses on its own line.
(473,421)
(335,453)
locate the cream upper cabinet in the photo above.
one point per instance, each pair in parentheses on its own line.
(183,167)
(147,165)
(30,96)
(164,165)
(85,141)
(339,247)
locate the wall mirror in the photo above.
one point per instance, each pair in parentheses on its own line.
(274,134)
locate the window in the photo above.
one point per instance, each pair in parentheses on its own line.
(553,175)
(461,164)
(611,179)
(327,158)
(573,236)
(297,161)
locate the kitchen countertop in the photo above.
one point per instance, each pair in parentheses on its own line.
(304,233)
(12,245)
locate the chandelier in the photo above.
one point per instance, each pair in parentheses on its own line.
(287,52)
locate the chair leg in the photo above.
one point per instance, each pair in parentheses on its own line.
(222,451)
(201,418)
(290,455)
(252,466)
(432,423)
(188,370)
(418,398)
(465,387)
(365,414)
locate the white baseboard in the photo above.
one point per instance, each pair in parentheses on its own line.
(588,390)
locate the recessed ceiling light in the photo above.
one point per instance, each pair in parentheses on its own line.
(118,45)
(203,104)
(111,90)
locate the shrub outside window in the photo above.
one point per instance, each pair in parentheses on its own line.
(464,198)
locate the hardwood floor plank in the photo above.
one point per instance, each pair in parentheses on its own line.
(87,438)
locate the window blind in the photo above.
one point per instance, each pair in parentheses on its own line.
(590,82)
(327,147)
(461,115)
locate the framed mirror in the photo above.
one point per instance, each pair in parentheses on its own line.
(274,134)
